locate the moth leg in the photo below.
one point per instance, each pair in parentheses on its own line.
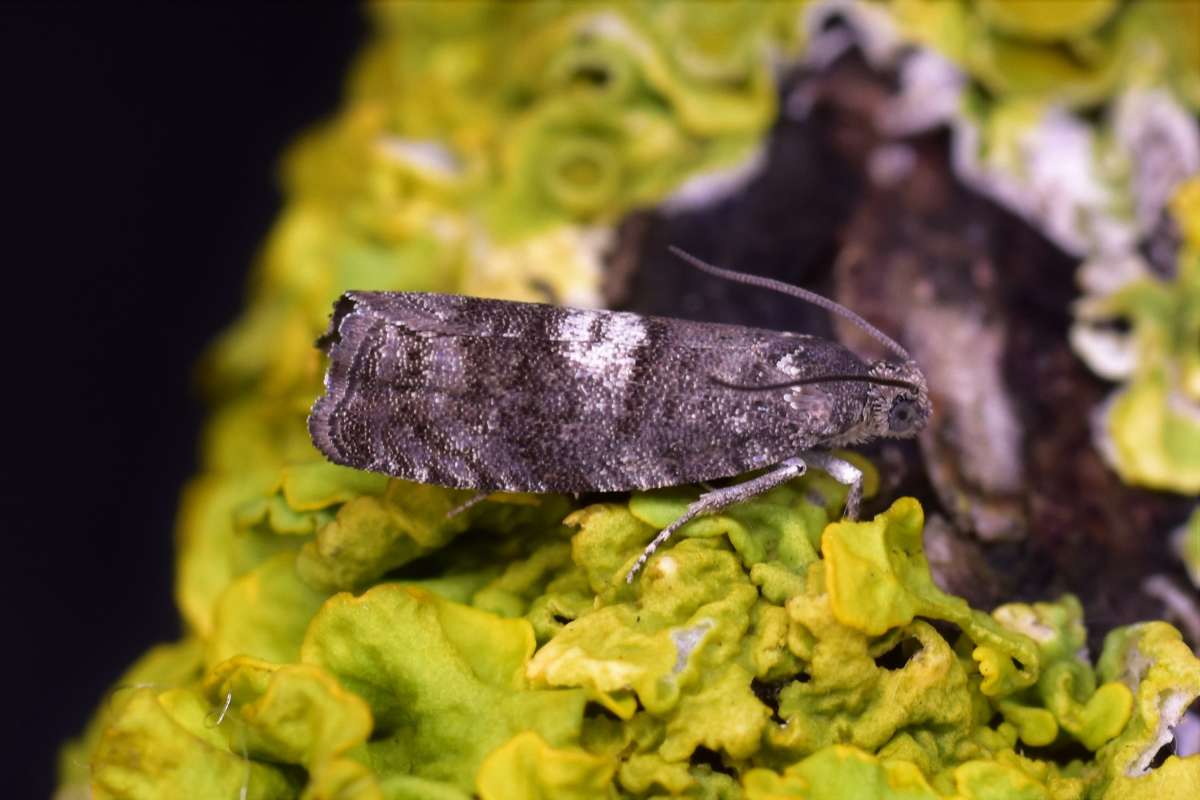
(470,503)
(844,473)
(718,499)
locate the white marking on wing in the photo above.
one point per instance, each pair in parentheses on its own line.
(575,326)
(612,353)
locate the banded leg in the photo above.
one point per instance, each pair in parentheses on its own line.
(718,499)
(844,473)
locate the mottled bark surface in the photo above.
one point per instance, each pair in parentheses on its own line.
(1021,505)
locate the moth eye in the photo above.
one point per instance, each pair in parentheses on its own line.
(903,416)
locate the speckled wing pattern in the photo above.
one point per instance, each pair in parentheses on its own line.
(495,395)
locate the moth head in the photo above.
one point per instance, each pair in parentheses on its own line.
(898,400)
(897,397)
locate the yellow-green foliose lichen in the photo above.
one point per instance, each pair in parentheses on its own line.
(1151,426)
(1074,53)
(769,652)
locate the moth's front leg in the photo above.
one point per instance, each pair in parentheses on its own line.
(839,469)
(717,499)
(844,473)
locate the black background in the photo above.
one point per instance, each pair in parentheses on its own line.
(140,147)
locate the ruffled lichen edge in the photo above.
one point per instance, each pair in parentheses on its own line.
(769,652)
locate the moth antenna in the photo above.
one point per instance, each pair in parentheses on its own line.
(764,282)
(762,387)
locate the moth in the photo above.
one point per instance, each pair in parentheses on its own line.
(495,395)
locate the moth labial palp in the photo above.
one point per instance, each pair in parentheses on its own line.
(494,395)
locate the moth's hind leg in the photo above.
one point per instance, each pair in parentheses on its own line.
(718,499)
(471,502)
(844,473)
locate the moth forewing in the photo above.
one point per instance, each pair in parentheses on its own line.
(525,397)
